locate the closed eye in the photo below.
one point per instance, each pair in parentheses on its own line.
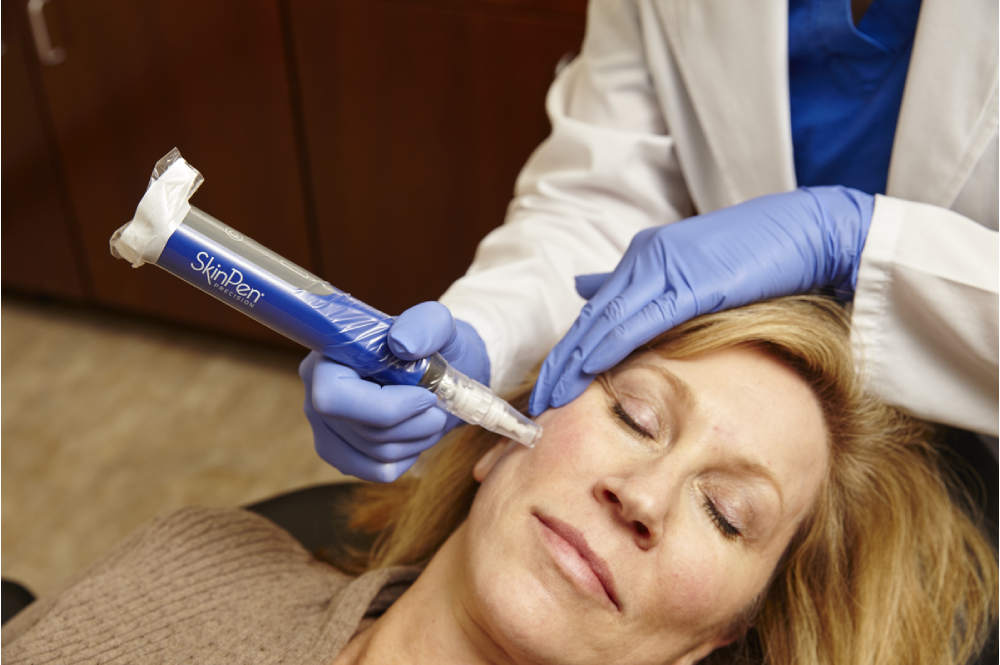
(627,420)
(728,531)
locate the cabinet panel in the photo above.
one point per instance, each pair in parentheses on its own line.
(38,247)
(419,116)
(207,77)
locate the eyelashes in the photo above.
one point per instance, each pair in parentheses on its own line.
(725,527)
(728,531)
(627,420)
(623,416)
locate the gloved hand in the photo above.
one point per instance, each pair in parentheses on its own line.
(775,245)
(376,432)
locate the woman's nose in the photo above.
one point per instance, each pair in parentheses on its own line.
(636,506)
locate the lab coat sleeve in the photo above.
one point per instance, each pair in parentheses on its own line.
(607,171)
(925,318)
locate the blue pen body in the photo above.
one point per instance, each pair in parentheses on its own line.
(190,244)
(242,273)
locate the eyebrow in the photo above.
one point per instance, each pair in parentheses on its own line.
(741,463)
(754,468)
(685,395)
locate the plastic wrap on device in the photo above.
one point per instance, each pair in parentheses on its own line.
(187,242)
(191,244)
(246,275)
(161,210)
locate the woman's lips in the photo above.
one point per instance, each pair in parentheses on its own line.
(583,564)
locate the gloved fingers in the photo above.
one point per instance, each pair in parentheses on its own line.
(774,245)
(307,367)
(421,426)
(390,452)
(336,437)
(630,288)
(571,383)
(338,392)
(341,446)
(606,287)
(347,460)
(540,394)
(457,346)
(588,285)
(421,331)
(622,308)
(570,353)
(428,328)
(657,317)
(614,302)
(554,367)
(565,359)
(568,381)
(421,431)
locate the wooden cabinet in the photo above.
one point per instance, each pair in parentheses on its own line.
(139,78)
(371,141)
(419,117)
(40,245)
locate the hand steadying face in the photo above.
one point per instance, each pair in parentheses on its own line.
(653,511)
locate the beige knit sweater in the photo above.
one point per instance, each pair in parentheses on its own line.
(202,585)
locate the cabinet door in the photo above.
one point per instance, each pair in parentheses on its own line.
(41,252)
(419,116)
(140,78)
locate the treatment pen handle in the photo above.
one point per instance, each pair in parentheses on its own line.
(170,233)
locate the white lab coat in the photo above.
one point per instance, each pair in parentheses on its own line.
(678,107)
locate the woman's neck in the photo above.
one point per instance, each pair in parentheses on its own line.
(430,623)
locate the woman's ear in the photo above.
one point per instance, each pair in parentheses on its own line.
(487,461)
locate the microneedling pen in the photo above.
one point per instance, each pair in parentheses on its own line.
(169,232)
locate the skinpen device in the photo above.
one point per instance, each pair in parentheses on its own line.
(169,232)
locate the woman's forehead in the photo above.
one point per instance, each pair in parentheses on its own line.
(765,367)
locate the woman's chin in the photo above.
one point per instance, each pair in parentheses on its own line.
(534,614)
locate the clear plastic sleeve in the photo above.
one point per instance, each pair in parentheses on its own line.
(216,258)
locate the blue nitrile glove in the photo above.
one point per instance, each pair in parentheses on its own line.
(775,245)
(376,432)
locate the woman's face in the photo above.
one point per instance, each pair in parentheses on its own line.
(654,509)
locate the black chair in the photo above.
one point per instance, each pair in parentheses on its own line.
(976,469)
(14,598)
(315,516)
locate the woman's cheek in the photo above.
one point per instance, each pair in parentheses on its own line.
(690,589)
(568,435)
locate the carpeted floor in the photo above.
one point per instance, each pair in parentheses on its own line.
(108,421)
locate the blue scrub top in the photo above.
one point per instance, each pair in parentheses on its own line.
(846,87)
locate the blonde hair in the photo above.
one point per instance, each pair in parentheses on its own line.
(888,567)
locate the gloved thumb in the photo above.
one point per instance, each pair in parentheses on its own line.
(421,330)
(588,285)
